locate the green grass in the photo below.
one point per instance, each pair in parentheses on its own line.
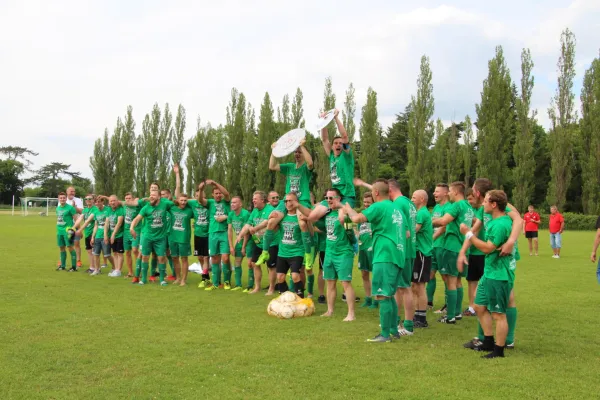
(70,336)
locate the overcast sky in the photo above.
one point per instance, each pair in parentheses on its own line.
(68,69)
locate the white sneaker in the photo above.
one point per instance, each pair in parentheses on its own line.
(116,274)
(141,283)
(103,266)
(96,272)
(111,274)
(404,332)
(164,283)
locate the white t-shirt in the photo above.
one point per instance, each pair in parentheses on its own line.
(76,202)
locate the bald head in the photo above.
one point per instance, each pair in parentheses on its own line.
(381,190)
(419,198)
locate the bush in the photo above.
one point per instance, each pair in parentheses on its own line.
(573,221)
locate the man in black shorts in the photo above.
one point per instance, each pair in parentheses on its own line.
(290,254)
(422,264)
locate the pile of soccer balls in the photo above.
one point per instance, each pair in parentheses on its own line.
(289,305)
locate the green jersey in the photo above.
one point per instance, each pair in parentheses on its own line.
(180,224)
(89,230)
(338,243)
(496,267)
(474,250)
(389,232)
(438,212)
(409,214)
(365,236)
(291,244)
(236,221)
(217,209)
(297,180)
(425,234)
(321,235)
(130,214)
(157,224)
(342,172)
(113,219)
(100,218)
(200,217)
(256,217)
(485,219)
(462,212)
(64,217)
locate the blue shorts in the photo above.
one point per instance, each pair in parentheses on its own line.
(555,240)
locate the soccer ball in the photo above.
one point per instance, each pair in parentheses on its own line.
(286,311)
(288,297)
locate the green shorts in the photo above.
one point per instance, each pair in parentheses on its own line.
(493,294)
(129,242)
(448,266)
(405,280)
(365,260)
(218,243)
(158,246)
(386,277)
(338,268)
(62,240)
(436,258)
(180,249)
(349,200)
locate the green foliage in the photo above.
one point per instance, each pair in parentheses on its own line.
(573,221)
(250,154)
(267,132)
(393,147)
(165,138)
(10,183)
(51,179)
(18,153)
(151,139)
(178,145)
(590,137)
(349,112)
(368,158)
(126,168)
(468,150)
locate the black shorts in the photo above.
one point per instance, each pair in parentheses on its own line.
(272,263)
(117,246)
(475,270)
(88,245)
(421,268)
(256,251)
(285,264)
(321,259)
(201,246)
(531,234)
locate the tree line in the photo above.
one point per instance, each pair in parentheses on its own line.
(502,141)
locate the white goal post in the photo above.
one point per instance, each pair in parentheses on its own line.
(42,206)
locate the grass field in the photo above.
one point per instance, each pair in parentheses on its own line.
(72,336)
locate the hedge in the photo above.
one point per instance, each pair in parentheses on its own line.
(573,221)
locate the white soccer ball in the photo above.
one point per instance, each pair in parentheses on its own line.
(288,297)
(286,311)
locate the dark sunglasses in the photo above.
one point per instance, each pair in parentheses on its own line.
(88,198)
(274,197)
(287,201)
(331,197)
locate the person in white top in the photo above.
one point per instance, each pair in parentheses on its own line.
(78,204)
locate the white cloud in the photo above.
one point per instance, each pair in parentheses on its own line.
(69,68)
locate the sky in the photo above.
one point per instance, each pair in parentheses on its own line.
(68,69)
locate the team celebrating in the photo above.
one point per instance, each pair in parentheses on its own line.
(470,235)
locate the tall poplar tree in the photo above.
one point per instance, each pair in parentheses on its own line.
(420,128)
(523,150)
(236,127)
(495,122)
(164,147)
(115,158)
(266,132)
(440,168)
(370,132)
(248,180)
(349,112)
(563,117)
(100,164)
(178,145)
(468,150)
(590,132)
(140,163)
(151,141)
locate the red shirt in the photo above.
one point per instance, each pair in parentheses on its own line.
(555,221)
(531,226)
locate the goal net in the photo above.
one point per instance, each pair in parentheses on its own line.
(42,206)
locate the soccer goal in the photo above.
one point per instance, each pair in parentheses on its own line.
(42,206)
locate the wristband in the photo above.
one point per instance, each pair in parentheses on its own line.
(469,235)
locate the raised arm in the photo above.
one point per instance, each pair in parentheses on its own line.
(202,195)
(341,128)
(273,164)
(360,183)
(317,213)
(325,140)
(226,195)
(307,157)
(177,180)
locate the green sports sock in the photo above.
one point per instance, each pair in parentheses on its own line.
(63,259)
(480,333)
(250,277)
(459,299)
(267,239)
(310,283)
(145,272)
(451,304)
(216,274)
(291,286)
(74,259)
(162,270)
(238,275)
(431,289)
(226,273)
(307,240)
(386,316)
(395,318)
(138,267)
(153,265)
(409,325)
(511,319)
(170,259)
